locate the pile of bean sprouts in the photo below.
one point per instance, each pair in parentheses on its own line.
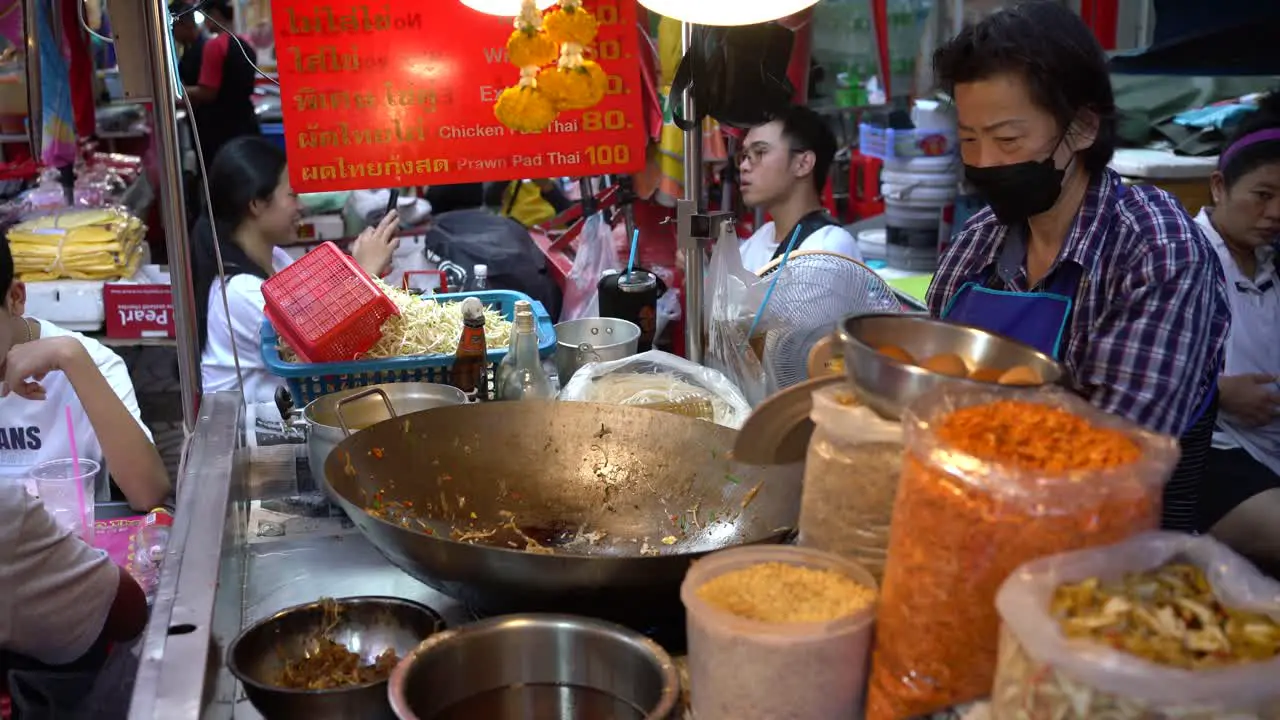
(425,327)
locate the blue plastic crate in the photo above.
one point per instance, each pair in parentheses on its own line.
(308,381)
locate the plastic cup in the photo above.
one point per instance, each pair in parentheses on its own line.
(63,489)
(735,663)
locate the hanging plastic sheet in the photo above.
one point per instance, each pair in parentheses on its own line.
(58,131)
(737,75)
(733,297)
(596,254)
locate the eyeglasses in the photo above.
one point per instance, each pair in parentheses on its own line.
(757,152)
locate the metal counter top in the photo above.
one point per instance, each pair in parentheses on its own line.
(229,564)
(221,575)
(232,561)
(289,572)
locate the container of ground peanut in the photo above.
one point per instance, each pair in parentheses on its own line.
(777,632)
(991,481)
(851,476)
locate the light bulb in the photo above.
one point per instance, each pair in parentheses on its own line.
(725,12)
(503,8)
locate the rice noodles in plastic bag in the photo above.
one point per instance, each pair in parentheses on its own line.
(657,377)
(1042,673)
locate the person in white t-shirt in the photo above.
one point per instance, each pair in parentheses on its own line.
(256,212)
(63,605)
(43,371)
(784,165)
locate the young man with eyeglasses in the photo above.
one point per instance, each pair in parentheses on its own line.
(783,167)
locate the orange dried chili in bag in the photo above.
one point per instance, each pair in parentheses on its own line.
(991,481)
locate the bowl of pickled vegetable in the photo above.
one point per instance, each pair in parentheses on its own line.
(892,359)
(330,658)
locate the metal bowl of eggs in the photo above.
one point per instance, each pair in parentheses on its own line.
(892,359)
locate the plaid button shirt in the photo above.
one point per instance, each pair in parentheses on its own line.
(1150,318)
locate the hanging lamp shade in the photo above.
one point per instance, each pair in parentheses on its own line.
(503,8)
(726,12)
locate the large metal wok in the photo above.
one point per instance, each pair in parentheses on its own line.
(557,506)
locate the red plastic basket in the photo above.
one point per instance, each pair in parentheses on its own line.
(326,307)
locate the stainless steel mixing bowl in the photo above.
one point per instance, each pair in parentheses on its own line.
(888,386)
(536,666)
(366,625)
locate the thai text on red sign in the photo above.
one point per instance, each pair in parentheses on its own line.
(401,92)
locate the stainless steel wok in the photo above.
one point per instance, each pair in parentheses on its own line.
(557,506)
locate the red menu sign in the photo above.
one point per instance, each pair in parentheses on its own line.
(401,92)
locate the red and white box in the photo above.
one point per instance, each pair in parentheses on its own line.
(142,308)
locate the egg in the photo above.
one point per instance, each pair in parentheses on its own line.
(1021,375)
(986,375)
(896,353)
(948,364)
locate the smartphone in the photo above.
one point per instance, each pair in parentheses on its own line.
(375,218)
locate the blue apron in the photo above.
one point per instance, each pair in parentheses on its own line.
(1042,319)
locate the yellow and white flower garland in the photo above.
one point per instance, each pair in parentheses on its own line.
(549,85)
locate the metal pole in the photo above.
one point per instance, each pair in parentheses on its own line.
(173,211)
(1145,34)
(694,259)
(587,196)
(35,98)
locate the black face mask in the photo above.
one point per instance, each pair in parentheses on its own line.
(1018,191)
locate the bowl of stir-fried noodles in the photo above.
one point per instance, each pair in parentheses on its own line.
(330,658)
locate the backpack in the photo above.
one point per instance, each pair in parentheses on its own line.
(738,75)
(471,237)
(808,225)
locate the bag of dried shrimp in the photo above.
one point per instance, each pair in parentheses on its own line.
(992,480)
(1163,625)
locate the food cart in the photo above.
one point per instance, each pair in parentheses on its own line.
(226,569)
(218,581)
(221,574)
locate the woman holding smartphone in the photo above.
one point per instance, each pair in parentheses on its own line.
(256,213)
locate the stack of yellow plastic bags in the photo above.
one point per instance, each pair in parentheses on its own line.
(78,244)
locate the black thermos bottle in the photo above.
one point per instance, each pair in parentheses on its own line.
(632,297)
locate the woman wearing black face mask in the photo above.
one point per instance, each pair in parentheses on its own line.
(1117,283)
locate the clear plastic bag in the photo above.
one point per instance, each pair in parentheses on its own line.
(992,480)
(733,296)
(596,253)
(851,477)
(48,193)
(669,311)
(1042,674)
(658,377)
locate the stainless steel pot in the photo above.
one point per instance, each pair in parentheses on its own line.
(539,666)
(587,340)
(364,407)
